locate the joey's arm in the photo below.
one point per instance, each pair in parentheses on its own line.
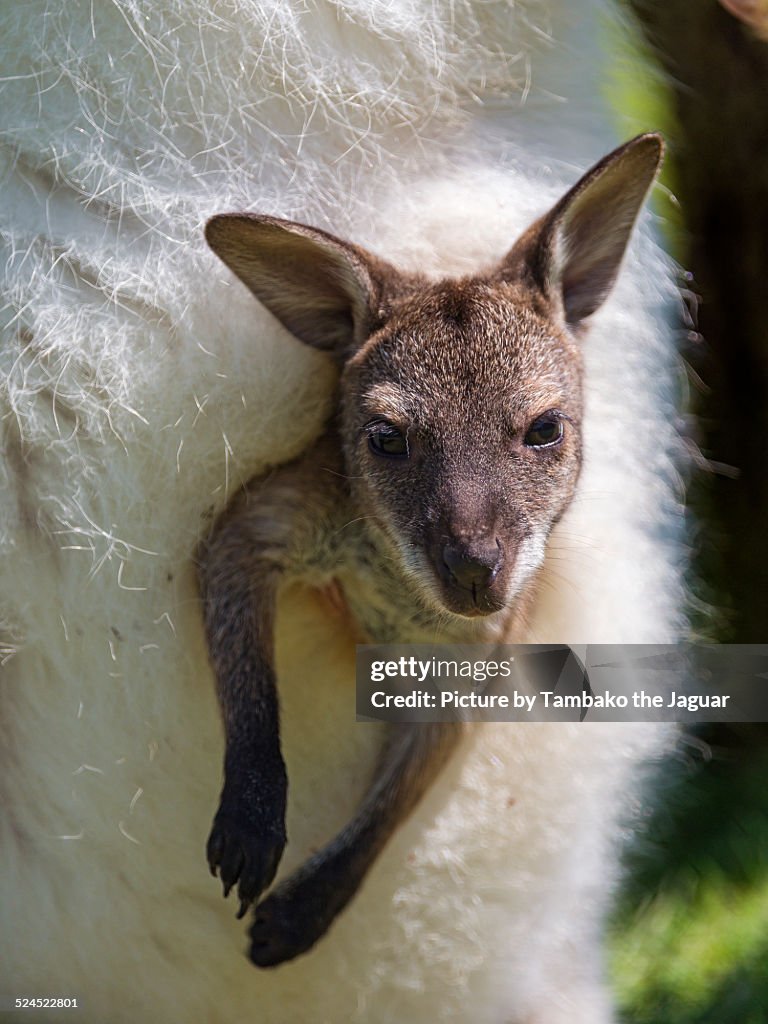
(248,835)
(254,543)
(302,908)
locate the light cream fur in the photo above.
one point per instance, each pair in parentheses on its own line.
(140,384)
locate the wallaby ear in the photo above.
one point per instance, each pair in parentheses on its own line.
(573,254)
(322,289)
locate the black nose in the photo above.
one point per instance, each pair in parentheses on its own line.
(473,568)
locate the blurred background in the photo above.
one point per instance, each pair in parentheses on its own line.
(690,935)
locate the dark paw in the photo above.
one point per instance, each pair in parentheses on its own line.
(279,932)
(299,912)
(243,858)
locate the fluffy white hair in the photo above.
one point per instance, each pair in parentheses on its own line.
(140,385)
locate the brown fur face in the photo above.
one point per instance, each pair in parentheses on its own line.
(460,401)
(465,371)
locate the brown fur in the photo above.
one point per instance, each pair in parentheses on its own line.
(440,538)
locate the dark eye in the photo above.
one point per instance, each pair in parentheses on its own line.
(544,432)
(388,441)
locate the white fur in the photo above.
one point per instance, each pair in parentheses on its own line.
(140,384)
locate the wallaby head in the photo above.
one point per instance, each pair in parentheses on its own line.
(461,400)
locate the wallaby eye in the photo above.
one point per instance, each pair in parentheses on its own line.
(387,441)
(545,432)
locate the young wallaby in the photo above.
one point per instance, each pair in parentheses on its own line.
(428,500)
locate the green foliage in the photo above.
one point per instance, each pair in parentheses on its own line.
(691,936)
(639,93)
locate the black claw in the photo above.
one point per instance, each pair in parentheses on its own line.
(213,851)
(244,860)
(231,867)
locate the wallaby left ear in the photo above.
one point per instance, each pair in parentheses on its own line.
(573,254)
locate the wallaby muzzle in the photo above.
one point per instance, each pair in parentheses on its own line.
(470,573)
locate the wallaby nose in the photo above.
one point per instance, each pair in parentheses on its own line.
(473,568)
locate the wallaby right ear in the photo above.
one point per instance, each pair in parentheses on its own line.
(572,255)
(325,291)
